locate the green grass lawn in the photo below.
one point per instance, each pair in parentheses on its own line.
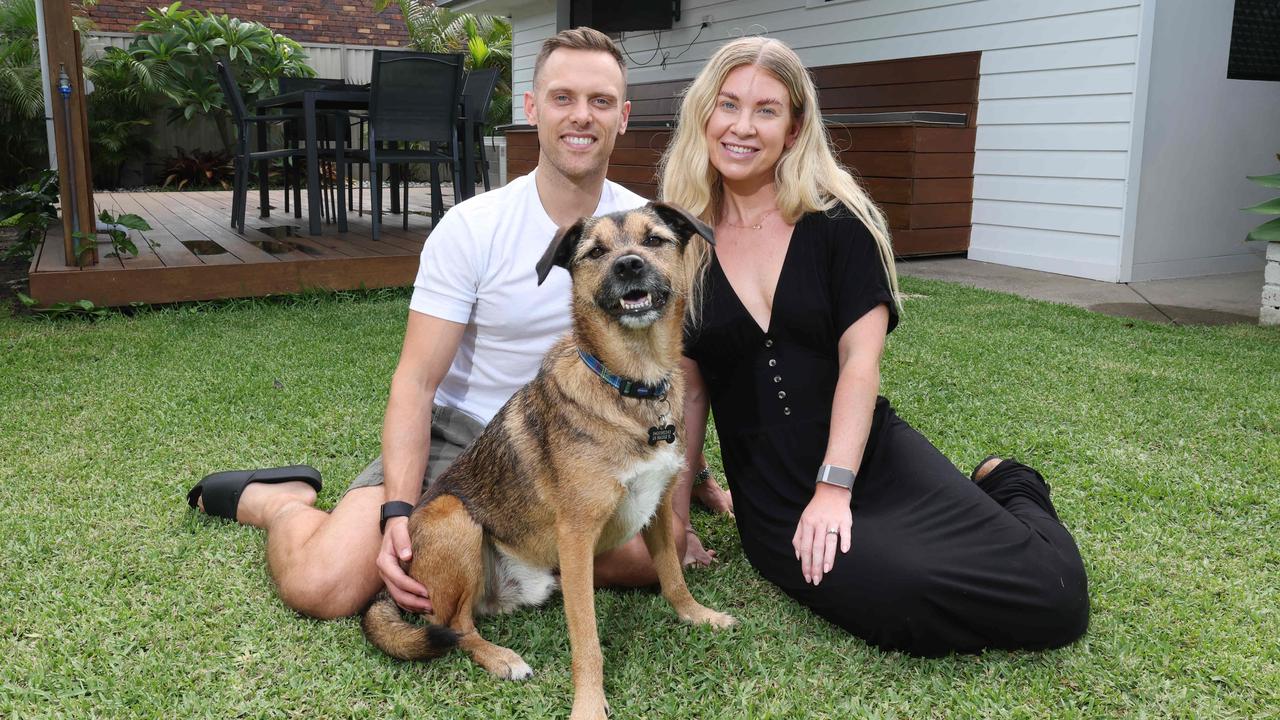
(1162,445)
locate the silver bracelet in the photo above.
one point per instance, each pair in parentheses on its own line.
(836,475)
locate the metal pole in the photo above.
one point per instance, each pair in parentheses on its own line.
(64,89)
(44,87)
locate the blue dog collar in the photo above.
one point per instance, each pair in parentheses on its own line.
(625,386)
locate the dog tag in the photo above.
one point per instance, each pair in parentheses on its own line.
(667,433)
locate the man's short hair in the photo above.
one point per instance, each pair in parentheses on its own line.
(581,38)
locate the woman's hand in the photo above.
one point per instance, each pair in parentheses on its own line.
(814,541)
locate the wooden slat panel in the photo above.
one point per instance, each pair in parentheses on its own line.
(945,190)
(880,139)
(930,140)
(212,282)
(888,190)
(944,165)
(897,215)
(914,94)
(876,164)
(956,66)
(627,173)
(930,242)
(939,215)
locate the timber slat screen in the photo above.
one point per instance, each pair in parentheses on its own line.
(921,176)
(191,253)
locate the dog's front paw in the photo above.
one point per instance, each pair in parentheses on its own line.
(706,616)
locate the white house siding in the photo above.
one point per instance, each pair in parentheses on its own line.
(1203,133)
(1056,99)
(1055,110)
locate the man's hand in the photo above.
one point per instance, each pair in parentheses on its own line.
(814,544)
(393,558)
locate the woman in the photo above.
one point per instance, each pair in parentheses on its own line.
(794,311)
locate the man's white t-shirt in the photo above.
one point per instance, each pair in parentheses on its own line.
(478,268)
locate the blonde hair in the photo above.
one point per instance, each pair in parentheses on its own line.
(808,175)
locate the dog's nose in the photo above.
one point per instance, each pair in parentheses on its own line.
(628,267)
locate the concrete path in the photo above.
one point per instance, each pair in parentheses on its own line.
(1209,300)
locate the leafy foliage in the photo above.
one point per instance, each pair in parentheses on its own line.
(30,209)
(179,50)
(1269,230)
(120,241)
(21,100)
(120,111)
(199,168)
(484,40)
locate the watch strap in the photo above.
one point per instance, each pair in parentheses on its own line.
(836,475)
(395,508)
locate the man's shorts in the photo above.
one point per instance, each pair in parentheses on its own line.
(451,432)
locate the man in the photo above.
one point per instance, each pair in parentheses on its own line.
(478,327)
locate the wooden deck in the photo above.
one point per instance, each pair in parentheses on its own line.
(192,253)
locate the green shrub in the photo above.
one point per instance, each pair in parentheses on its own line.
(199,168)
(179,49)
(30,209)
(22,141)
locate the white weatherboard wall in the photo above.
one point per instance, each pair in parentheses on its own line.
(1203,134)
(1055,111)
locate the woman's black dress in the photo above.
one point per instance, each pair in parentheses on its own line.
(937,563)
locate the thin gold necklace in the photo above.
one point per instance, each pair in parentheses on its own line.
(758,224)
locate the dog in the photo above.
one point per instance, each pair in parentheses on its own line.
(575,463)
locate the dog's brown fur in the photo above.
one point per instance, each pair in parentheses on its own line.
(565,470)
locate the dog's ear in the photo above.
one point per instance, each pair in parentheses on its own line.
(561,249)
(685,224)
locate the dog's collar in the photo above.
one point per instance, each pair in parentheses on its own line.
(625,386)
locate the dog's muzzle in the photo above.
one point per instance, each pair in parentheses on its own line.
(635,292)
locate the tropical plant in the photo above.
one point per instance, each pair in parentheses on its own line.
(199,168)
(179,50)
(1269,230)
(30,209)
(118,227)
(485,41)
(120,110)
(21,99)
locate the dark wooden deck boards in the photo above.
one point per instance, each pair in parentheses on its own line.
(166,269)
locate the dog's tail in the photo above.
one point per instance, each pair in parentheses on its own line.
(385,626)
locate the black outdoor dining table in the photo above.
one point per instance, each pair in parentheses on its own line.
(343,98)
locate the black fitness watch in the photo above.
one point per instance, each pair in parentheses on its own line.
(395,508)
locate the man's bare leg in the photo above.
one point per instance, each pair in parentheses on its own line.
(629,564)
(322,562)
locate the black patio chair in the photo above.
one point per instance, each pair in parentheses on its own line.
(244,157)
(476,93)
(345,123)
(414,102)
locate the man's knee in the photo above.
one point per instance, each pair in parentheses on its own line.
(324,594)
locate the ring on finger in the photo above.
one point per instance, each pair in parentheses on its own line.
(833,531)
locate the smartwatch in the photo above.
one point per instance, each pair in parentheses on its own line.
(395,508)
(836,475)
